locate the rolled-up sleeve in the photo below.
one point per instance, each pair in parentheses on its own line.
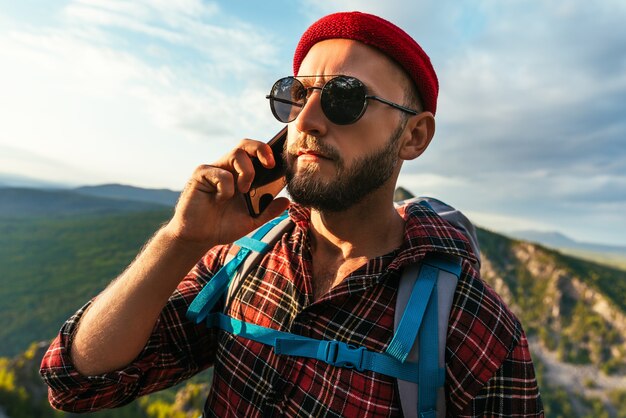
(175,350)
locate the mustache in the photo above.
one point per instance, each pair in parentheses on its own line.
(311,143)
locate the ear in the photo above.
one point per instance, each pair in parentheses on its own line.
(419,131)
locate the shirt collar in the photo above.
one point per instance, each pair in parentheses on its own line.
(425,232)
(300,215)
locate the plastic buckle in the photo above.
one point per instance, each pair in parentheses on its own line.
(344,355)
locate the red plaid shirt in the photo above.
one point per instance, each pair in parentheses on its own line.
(489,371)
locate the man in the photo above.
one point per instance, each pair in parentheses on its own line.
(333,276)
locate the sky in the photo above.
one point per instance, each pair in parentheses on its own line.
(531,126)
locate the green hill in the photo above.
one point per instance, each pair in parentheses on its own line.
(58,249)
(48,267)
(19,203)
(574,313)
(163,197)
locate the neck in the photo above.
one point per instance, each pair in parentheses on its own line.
(369,229)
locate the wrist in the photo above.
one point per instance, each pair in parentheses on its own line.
(179,244)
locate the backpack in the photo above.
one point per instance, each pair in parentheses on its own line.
(422,310)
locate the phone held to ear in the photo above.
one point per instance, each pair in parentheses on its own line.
(268,182)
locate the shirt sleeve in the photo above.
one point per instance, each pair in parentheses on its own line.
(175,350)
(513,389)
(489,370)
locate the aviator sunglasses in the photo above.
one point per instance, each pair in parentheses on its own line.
(343,99)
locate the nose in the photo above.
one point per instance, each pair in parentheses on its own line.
(311,119)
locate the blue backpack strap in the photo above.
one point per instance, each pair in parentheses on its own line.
(405,335)
(420,317)
(429,353)
(430,374)
(254,259)
(215,288)
(335,353)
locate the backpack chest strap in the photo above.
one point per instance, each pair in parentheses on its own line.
(335,353)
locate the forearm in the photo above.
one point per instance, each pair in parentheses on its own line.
(210,211)
(172,353)
(118,324)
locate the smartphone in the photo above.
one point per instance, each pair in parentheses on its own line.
(267,182)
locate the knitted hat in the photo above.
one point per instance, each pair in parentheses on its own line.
(382,35)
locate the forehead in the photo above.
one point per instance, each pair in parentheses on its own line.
(349,57)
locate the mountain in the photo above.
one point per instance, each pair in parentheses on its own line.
(30,203)
(574,311)
(401,194)
(50,266)
(610,255)
(14,180)
(557,240)
(66,244)
(163,197)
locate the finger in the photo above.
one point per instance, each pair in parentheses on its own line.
(215,180)
(198,181)
(266,156)
(260,150)
(225,184)
(245,170)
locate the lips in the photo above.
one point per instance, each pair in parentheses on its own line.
(312,153)
(311,147)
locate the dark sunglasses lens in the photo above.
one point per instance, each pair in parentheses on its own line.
(287,99)
(343,100)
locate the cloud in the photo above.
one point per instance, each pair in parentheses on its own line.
(182,59)
(530,119)
(38,168)
(197,30)
(537,88)
(140,82)
(529,125)
(526,86)
(504,223)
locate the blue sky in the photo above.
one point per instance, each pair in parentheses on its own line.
(531,132)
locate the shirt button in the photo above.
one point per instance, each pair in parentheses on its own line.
(305,320)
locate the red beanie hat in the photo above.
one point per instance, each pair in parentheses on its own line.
(382,35)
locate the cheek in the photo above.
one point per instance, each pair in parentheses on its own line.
(290,159)
(363,137)
(292,137)
(380,119)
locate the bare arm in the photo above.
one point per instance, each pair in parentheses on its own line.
(210,211)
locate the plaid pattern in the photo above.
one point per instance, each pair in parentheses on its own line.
(489,371)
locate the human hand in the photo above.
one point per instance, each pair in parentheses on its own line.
(211,209)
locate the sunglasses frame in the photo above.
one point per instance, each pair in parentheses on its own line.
(273,99)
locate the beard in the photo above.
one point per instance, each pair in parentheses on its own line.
(350,185)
